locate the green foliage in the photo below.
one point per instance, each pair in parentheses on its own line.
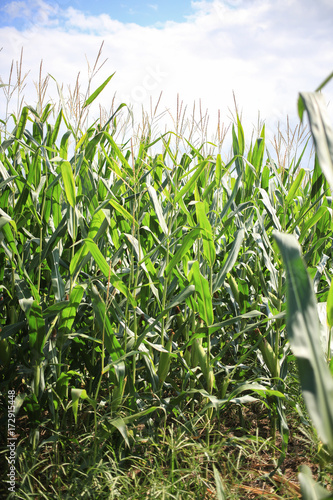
(136,284)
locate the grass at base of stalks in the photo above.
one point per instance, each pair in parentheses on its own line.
(169,459)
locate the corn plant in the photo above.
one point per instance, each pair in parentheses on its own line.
(138,284)
(303,324)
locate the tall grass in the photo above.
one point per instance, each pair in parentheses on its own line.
(137,287)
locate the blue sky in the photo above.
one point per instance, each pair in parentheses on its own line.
(126,11)
(207,52)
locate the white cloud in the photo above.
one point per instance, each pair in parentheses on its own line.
(264,51)
(17,9)
(99,25)
(33,11)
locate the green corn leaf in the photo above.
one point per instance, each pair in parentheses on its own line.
(97,222)
(58,284)
(238,144)
(218,170)
(69,183)
(258,152)
(113,165)
(111,342)
(132,418)
(56,128)
(304,335)
(121,423)
(330,306)
(122,211)
(321,130)
(148,268)
(204,297)
(158,209)
(37,331)
(231,198)
(20,128)
(272,211)
(120,155)
(63,383)
(80,259)
(199,169)
(206,234)
(76,395)
(112,117)
(97,92)
(118,391)
(46,112)
(4,218)
(7,231)
(55,308)
(230,261)
(23,294)
(309,488)
(295,186)
(186,245)
(184,294)
(189,217)
(322,210)
(164,362)
(325,82)
(98,257)
(64,144)
(22,123)
(5,352)
(241,140)
(91,146)
(107,271)
(68,314)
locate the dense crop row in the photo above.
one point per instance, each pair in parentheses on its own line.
(135,286)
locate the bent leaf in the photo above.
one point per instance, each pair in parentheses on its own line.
(304,335)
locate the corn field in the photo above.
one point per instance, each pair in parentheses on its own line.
(141,287)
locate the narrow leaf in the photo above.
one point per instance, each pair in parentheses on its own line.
(330,306)
(220,493)
(203,294)
(206,234)
(36,329)
(111,342)
(200,167)
(158,209)
(107,271)
(187,244)
(121,210)
(295,185)
(97,91)
(230,261)
(68,178)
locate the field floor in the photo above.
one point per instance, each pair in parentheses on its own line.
(172,458)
